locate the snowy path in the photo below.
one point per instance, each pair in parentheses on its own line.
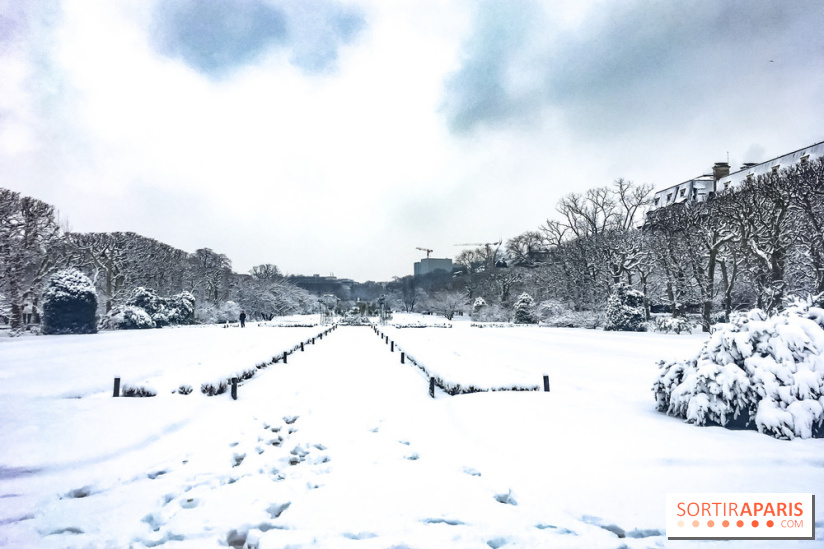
(343,447)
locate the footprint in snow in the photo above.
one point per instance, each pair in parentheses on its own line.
(289,420)
(471,472)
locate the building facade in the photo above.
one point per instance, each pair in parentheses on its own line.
(431,265)
(703,187)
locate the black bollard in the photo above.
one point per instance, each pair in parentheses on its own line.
(432,387)
(313,341)
(234,388)
(403,355)
(116,387)
(284,357)
(301,346)
(392,347)
(546,384)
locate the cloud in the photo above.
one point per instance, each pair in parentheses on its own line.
(219,36)
(631,64)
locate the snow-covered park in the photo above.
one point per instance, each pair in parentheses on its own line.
(342,445)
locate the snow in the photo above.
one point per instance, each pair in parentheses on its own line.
(758,370)
(343,447)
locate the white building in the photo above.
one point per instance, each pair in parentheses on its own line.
(704,186)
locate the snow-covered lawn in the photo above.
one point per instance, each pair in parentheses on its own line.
(342,446)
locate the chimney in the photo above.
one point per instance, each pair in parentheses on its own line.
(719,170)
(748,165)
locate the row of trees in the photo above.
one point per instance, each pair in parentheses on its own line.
(750,246)
(33,246)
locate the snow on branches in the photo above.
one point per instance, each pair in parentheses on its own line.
(757,372)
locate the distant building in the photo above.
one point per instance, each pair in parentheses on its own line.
(705,186)
(429,266)
(321,285)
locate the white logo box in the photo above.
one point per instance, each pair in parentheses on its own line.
(721,516)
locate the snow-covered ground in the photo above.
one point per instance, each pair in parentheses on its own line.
(342,446)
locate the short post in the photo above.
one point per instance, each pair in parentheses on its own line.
(546,384)
(116,387)
(392,347)
(284,357)
(403,356)
(234,388)
(432,387)
(387,340)
(301,346)
(313,341)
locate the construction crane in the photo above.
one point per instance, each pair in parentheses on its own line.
(427,250)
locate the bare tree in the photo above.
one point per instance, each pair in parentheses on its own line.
(28,230)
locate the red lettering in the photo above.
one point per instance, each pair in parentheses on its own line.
(782,509)
(681,509)
(689,507)
(716,508)
(798,509)
(757,508)
(733,509)
(705,508)
(768,510)
(745,510)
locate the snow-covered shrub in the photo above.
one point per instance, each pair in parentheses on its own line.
(551,308)
(212,388)
(146,299)
(625,309)
(491,313)
(185,389)
(137,391)
(181,308)
(576,319)
(757,372)
(525,309)
(69,304)
(667,324)
(127,317)
(477,308)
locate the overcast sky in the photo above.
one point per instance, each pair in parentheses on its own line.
(336,136)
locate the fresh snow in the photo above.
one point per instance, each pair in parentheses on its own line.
(343,447)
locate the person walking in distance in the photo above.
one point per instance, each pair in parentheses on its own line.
(242,319)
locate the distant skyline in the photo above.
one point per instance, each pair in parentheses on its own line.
(336,136)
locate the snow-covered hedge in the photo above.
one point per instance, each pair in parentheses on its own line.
(69,304)
(757,372)
(127,317)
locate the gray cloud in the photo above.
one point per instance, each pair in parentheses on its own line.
(218,36)
(633,64)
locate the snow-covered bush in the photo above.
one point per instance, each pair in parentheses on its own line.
(178,309)
(625,309)
(127,317)
(146,299)
(181,308)
(212,388)
(491,313)
(69,304)
(525,309)
(757,372)
(138,391)
(477,307)
(228,311)
(185,389)
(667,324)
(551,308)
